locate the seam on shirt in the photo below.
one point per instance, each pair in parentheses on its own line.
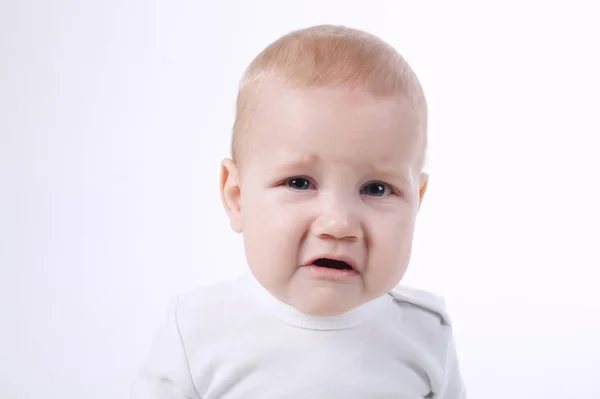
(431,303)
(187,362)
(434,372)
(444,386)
(451,362)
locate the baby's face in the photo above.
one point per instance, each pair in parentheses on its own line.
(329,173)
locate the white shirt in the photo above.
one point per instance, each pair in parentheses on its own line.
(236,340)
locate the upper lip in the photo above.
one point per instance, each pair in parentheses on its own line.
(351,262)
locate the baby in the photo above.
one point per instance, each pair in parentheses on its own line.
(325,183)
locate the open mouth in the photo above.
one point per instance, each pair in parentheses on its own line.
(332,264)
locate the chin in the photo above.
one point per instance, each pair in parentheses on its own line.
(325,310)
(323,305)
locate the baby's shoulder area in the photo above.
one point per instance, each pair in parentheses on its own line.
(207,295)
(421,317)
(207,305)
(420,309)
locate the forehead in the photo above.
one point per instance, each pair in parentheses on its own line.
(337,124)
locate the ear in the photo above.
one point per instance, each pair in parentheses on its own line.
(423,187)
(230,193)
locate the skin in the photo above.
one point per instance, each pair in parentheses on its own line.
(331,171)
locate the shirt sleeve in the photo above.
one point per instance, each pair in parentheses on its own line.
(166,373)
(454,387)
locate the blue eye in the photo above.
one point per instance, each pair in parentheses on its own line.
(376,189)
(298,183)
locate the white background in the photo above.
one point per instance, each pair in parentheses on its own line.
(114,116)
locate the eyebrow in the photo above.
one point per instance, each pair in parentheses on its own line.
(390,172)
(294,162)
(291,162)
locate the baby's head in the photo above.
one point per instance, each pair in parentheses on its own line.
(327,168)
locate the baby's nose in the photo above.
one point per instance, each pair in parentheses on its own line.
(337,225)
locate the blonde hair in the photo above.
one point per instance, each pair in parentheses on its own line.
(327,55)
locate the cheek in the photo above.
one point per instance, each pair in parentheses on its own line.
(266,215)
(391,228)
(389,254)
(392,238)
(272,229)
(272,236)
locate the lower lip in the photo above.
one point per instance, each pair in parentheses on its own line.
(330,274)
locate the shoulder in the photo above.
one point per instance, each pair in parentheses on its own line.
(421,318)
(206,297)
(207,309)
(423,303)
